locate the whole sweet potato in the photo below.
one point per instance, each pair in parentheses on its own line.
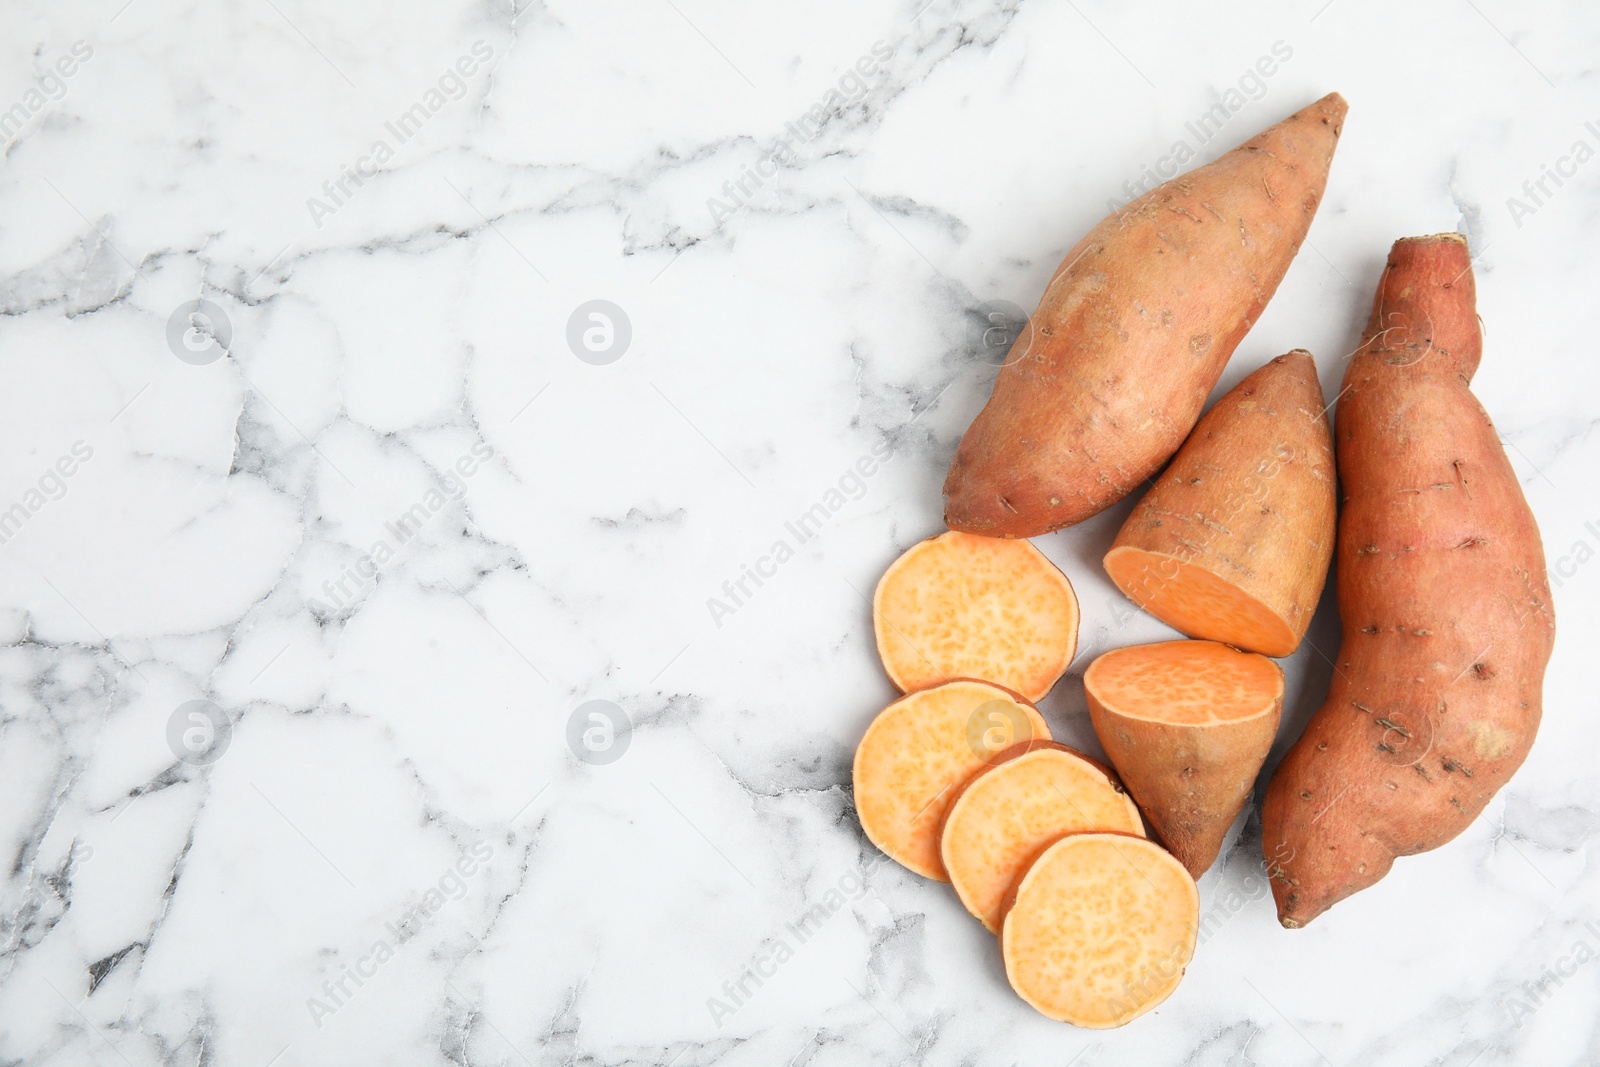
(1133,332)
(1446,607)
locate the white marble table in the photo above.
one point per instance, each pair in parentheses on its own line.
(300,615)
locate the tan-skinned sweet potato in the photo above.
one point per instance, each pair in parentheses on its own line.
(919,750)
(1187,724)
(1133,332)
(959,606)
(1445,603)
(1099,928)
(1023,799)
(1233,542)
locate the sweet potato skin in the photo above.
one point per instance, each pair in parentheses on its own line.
(1133,332)
(1250,497)
(1444,598)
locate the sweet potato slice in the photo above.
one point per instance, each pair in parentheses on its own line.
(919,750)
(1098,929)
(1232,544)
(960,606)
(1025,798)
(1187,724)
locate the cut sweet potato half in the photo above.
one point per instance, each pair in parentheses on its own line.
(1025,798)
(962,606)
(919,750)
(1232,543)
(1099,928)
(1187,724)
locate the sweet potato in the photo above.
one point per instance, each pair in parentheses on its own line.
(1025,798)
(1187,724)
(1098,929)
(958,606)
(1133,332)
(919,749)
(1437,686)
(1233,542)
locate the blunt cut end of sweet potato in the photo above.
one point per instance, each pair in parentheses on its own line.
(962,606)
(1188,725)
(919,750)
(1189,683)
(1099,928)
(1189,598)
(1025,798)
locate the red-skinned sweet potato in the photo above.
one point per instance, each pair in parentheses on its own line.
(1133,332)
(1436,691)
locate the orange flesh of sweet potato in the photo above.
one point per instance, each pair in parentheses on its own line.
(1098,929)
(919,750)
(1191,599)
(1233,542)
(1133,332)
(1025,798)
(1444,600)
(959,606)
(1187,724)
